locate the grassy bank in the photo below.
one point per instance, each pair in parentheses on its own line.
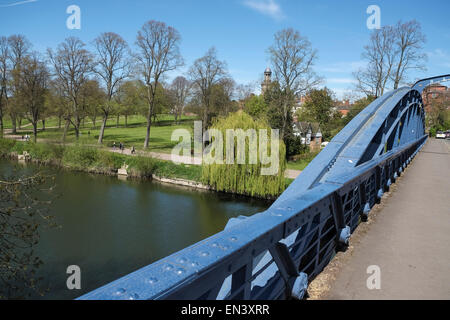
(301,161)
(91,159)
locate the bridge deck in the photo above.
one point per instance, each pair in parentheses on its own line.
(409,239)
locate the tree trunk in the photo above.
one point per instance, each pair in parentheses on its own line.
(1,126)
(59,122)
(66,128)
(102,129)
(34,131)
(149,124)
(20,123)
(43,124)
(13,123)
(117,121)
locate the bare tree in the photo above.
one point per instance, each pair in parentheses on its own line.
(4,70)
(181,89)
(206,72)
(408,45)
(71,64)
(112,66)
(392,51)
(292,57)
(158,53)
(32,88)
(19,47)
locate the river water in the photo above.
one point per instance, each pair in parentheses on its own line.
(109,227)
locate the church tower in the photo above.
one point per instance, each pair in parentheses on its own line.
(267,80)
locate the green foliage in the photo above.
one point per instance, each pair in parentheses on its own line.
(357,107)
(80,157)
(318,106)
(144,166)
(44,152)
(256,107)
(244,178)
(6,146)
(300,162)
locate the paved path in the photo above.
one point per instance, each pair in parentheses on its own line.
(409,239)
(289,173)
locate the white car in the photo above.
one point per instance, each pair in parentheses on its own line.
(440,135)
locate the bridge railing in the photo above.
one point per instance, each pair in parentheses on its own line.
(275,253)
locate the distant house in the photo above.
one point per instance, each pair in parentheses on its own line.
(310,134)
(435,92)
(343,107)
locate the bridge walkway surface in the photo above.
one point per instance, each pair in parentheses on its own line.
(408,238)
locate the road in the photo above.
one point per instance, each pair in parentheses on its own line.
(409,239)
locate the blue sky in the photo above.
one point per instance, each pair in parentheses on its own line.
(241,30)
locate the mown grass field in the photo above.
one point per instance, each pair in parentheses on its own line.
(132,135)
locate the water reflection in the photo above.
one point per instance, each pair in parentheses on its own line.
(110,227)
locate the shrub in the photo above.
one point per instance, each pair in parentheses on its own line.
(44,152)
(80,156)
(144,166)
(110,160)
(6,146)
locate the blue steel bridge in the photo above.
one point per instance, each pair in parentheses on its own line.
(275,254)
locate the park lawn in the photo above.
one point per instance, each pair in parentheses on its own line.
(132,135)
(302,162)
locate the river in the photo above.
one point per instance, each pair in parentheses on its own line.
(110,227)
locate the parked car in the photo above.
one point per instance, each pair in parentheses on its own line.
(447,134)
(440,135)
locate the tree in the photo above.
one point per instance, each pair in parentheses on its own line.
(112,66)
(32,88)
(92,100)
(256,107)
(158,46)
(131,98)
(206,72)
(181,89)
(244,178)
(392,51)
(380,57)
(71,65)
(292,57)
(4,70)
(318,106)
(409,43)
(21,213)
(19,47)
(358,106)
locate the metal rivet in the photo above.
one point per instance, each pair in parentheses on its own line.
(120,291)
(134,296)
(152,280)
(233,238)
(204,253)
(180,271)
(169,267)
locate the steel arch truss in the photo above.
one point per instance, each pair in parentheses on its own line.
(275,253)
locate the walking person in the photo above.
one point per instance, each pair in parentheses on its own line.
(114,145)
(133,150)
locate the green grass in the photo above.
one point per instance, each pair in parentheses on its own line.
(132,135)
(301,161)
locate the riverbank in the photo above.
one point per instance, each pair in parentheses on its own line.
(98,161)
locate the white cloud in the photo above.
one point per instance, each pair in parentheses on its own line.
(267,7)
(16,3)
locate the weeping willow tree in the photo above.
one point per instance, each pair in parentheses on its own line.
(246,160)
